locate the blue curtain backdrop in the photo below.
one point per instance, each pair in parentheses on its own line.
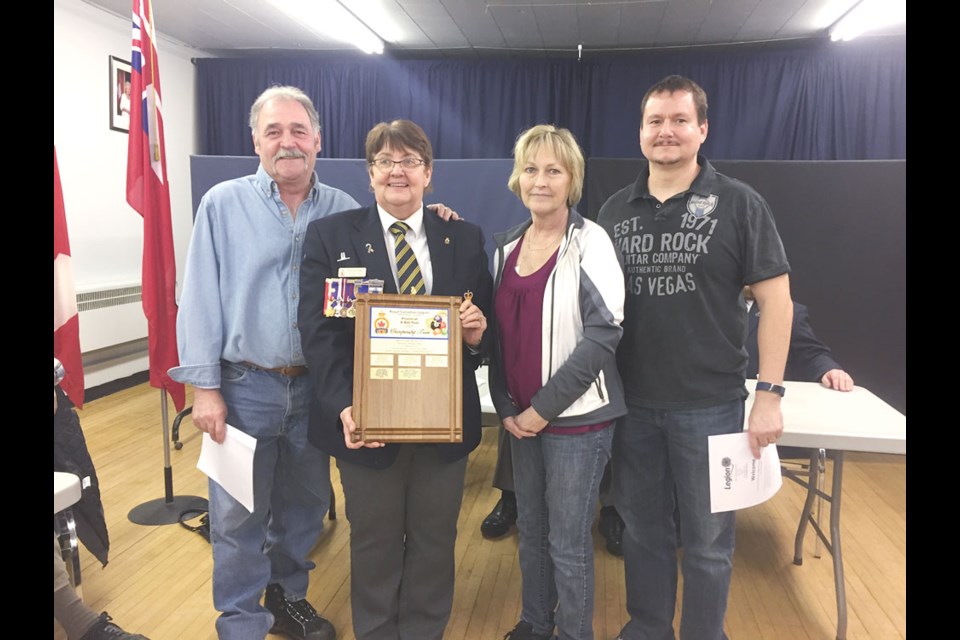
(813,100)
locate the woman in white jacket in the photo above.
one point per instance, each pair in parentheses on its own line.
(558,307)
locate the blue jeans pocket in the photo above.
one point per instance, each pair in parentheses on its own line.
(233,371)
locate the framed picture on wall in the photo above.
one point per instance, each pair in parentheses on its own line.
(119,94)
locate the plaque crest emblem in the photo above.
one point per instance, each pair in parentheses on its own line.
(381,324)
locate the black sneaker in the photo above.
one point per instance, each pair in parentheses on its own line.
(611,528)
(105,629)
(502,518)
(524,631)
(296,619)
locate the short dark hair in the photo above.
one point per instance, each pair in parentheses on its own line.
(400,134)
(674,83)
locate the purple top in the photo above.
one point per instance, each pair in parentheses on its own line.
(519,309)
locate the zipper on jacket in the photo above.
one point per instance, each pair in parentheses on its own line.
(553,289)
(599,388)
(553,283)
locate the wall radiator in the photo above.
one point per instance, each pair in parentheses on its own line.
(110,316)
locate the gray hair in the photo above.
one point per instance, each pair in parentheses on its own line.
(284,93)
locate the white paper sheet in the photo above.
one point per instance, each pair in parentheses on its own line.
(737,479)
(230,464)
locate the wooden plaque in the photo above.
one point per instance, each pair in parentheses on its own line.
(408,369)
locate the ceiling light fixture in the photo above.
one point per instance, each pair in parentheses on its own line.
(869,15)
(330,19)
(378,16)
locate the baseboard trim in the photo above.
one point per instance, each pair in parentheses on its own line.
(113,386)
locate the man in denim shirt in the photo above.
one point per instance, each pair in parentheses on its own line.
(240,349)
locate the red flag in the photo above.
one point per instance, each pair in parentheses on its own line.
(148,192)
(66,322)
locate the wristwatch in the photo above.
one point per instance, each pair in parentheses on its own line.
(773,388)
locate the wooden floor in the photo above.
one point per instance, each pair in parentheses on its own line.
(158,579)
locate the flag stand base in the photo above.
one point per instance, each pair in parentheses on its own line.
(160,512)
(165,510)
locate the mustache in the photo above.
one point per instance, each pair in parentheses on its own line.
(290,153)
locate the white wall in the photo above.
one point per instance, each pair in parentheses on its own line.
(106,235)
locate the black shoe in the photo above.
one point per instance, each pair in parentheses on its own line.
(524,631)
(502,518)
(611,527)
(105,629)
(296,619)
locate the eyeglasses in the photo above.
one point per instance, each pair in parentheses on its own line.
(386,164)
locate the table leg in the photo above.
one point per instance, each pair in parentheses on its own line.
(811,484)
(821,479)
(835,546)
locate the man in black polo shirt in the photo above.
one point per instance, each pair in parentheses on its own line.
(691,238)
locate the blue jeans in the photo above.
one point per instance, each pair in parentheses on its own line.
(654,452)
(556,479)
(291,483)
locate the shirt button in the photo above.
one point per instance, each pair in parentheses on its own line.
(294,325)
(295,267)
(658,206)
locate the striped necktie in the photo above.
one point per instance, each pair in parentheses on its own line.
(409,277)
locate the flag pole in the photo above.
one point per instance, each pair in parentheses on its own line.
(166,510)
(148,194)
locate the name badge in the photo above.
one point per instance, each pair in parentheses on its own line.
(352,272)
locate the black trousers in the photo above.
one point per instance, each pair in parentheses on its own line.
(403,529)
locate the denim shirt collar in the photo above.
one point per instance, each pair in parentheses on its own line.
(268,186)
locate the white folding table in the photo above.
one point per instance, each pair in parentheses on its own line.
(821,420)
